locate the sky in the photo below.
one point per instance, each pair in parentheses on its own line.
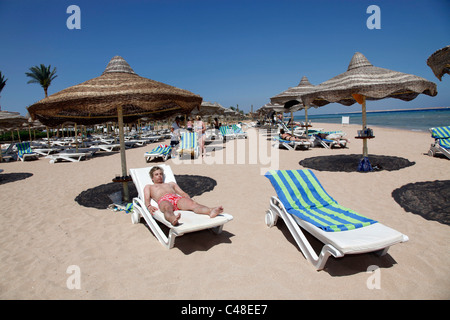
(237,53)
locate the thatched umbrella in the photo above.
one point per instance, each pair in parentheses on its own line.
(292,98)
(119,93)
(9,119)
(439,62)
(362,82)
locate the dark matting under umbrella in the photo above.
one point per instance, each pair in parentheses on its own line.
(99,197)
(349,162)
(14,176)
(428,199)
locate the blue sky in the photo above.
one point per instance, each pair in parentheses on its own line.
(232,52)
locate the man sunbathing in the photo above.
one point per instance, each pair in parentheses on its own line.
(170,198)
(289,137)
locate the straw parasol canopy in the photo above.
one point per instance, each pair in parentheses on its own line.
(97,100)
(118,94)
(362,82)
(291,98)
(439,62)
(209,109)
(10,119)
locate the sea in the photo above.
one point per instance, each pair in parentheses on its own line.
(409,119)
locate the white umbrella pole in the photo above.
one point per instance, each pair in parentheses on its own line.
(123,159)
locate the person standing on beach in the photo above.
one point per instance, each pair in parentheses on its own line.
(170,197)
(175,132)
(199,127)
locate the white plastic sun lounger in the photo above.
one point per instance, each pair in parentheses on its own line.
(162,151)
(189,221)
(305,198)
(109,147)
(290,145)
(67,156)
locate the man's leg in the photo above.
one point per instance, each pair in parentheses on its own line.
(167,208)
(191,205)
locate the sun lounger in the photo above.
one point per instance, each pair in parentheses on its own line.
(24,152)
(68,156)
(238,131)
(441,143)
(162,151)
(9,153)
(189,221)
(109,147)
(332,139)
(291,145)
(227,133)
(189,144)
(302,202)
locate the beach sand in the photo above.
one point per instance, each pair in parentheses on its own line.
(45,232)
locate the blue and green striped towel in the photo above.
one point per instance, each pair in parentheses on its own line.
(161,150)
(23,148)
(226,131)
(440,132)
(237,129)
(303,196)
(189,140)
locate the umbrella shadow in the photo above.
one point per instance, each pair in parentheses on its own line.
(99,197)
(12,177)
(349,163)
(428,199)
(338,267)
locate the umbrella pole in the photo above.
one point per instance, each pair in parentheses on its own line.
(364,124)
(123,159)
(48,137)
(306,119)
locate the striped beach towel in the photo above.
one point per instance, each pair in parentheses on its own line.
(189,140)
(162,149)
(23,148)
(303,196)
(440,132)
(237,129)
(226,131)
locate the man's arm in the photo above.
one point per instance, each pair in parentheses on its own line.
(147,198)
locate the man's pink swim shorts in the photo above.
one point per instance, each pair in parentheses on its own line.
(172,198)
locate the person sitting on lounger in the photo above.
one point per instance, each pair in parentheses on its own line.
(289,137)
(336,137)
(170,197)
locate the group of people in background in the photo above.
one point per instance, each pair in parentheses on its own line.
(197,126)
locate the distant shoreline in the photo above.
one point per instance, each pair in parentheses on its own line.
(391,110)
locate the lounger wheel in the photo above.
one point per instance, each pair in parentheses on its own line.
(431,153)
(270,218)
(52,161)
(135,217)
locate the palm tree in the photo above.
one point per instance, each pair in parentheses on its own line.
(42,75)
(2,83)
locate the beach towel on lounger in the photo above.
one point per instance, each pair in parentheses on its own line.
(303,196)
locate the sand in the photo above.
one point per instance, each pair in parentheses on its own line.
(48,238)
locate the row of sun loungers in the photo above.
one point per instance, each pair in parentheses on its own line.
(71,149)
